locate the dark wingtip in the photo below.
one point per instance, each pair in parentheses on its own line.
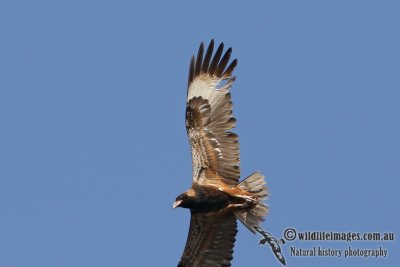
(229,70)
(215,60)
(213,65)
(199,59)
(191,70)
(222,64)
(207,57)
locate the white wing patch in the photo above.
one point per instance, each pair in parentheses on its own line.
(205,86)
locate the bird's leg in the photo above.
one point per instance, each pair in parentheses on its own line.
(248,203)
(273,242)
(248,199)
(236,206)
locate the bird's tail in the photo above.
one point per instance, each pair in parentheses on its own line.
(255,185)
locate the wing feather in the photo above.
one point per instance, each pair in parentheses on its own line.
(222,64)
(209,119)
(207,57)
(214,63)
(210,240)
(199,59)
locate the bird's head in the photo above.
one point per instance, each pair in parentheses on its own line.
(184,200)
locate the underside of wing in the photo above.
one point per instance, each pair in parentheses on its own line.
(215,150)
(210,240)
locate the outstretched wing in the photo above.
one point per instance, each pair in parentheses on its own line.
(215,150)
(210,240)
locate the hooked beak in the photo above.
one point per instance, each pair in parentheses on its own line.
(176,203)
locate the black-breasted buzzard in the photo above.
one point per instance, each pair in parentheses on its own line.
(216,198)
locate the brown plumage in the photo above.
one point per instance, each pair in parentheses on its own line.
(216,198)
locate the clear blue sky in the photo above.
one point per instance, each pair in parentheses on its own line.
(93,147)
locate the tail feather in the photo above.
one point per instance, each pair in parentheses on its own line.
(254,184)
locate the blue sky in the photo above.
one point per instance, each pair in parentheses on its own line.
(93,148)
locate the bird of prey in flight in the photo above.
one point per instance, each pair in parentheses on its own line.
(217,198)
